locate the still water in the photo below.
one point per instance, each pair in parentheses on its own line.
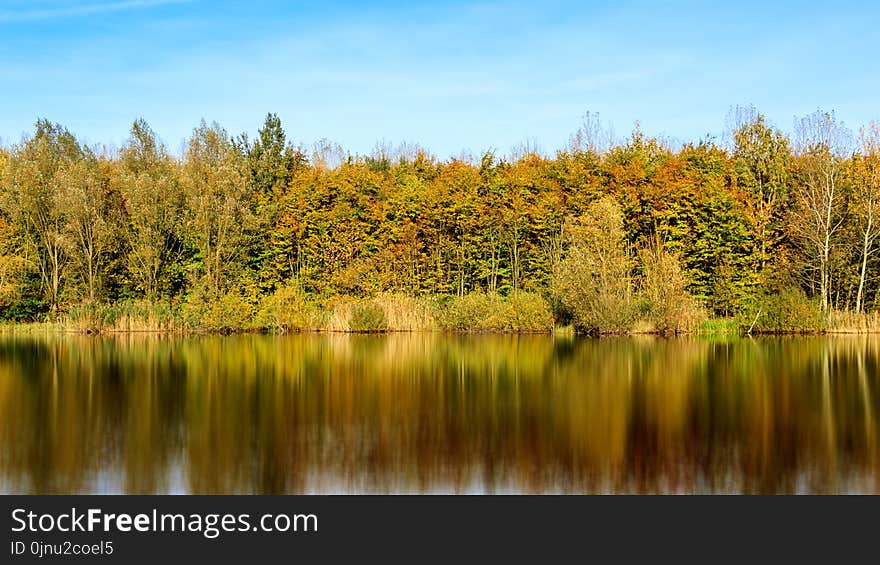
(438,413)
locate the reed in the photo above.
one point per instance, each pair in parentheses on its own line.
(846,322)
(127,316)
(407,313)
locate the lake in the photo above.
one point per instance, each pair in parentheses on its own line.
(438,413)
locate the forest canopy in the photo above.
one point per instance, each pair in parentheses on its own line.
(775,230)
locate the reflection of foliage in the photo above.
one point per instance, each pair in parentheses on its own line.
(437,412)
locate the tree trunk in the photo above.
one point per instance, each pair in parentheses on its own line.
(866,249)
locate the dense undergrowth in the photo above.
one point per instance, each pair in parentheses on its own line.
(290,310)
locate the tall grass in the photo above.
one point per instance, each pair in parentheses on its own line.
(386,312)
(407,313)
(291,310)
(853,322)
(710,326)
(7,327)
(128,316)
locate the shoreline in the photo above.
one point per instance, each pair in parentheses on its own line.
(51,328)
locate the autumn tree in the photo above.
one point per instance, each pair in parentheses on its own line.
(592,136)
(31,197)
(761,161)
(154,207)
(593,282)
(271,163)
(866,201)
(821,143)
(630,170)
(13,261)
(218,204)
(90,228)
(236,221)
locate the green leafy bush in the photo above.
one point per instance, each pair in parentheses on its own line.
(367,317)
(532,312)
(788,310)
(472,312)
(288,309)
(24,310)
(479,311)
(229,312)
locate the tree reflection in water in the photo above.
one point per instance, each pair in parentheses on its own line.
(437,413)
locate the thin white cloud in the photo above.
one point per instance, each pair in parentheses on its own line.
(45,13)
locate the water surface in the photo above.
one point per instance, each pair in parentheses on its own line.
(437,413)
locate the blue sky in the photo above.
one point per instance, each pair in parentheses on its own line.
(450,76)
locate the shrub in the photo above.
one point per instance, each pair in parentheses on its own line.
(367,317)
(228,313)
(479,311)
(24,310)
(533,313)
(787,310)
(287,309)
(472,312)
(195,307)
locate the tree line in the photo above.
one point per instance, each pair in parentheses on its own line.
(767,227)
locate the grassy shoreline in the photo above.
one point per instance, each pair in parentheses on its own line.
(727,329)
(296,312)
